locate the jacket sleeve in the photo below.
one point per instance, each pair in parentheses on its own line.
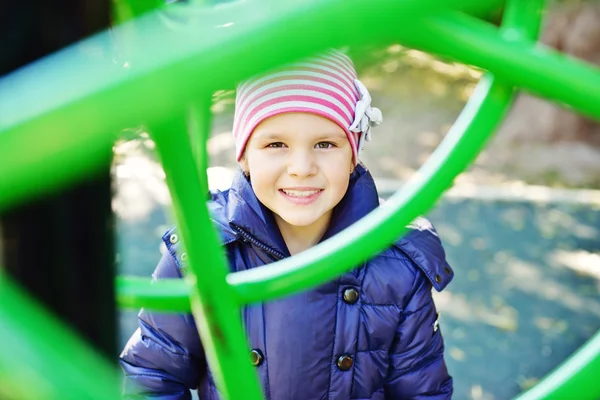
(164,358)
(417,366)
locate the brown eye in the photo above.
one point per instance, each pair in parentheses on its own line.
(275,145)
(325,145)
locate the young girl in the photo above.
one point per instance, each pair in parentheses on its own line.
(370,334)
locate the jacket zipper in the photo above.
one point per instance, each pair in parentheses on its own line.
(246,236)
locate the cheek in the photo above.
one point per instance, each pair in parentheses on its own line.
(251,162)
(342,184)
(343,164)
(339,177)
(262,173)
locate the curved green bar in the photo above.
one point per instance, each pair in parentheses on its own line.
(165,295)
(215,310)
(576,378)
(522,63)
(40,358)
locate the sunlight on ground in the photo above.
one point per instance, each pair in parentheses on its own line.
(580,261)
(530,279)
(458,306)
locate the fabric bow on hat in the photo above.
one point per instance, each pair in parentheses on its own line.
(365,115)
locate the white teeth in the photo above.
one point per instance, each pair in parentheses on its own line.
(300,193)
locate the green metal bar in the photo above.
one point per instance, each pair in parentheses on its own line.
(164,295)
(576,378)
(215,310)
(126,10)
(523,18)
(41,359)
(522,63)
(200,120)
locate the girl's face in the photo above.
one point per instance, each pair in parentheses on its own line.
(299,164)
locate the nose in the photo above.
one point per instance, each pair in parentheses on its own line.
(301,163)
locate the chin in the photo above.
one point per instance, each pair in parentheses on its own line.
(300,221)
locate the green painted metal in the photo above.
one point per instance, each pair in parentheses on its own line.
(576,378)
(216,312)
(532,67)
(126,10)
(164,295)
(40,358)
(84,89)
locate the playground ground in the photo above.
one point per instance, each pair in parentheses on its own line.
(526,292)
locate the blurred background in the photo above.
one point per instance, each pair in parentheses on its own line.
(521,227)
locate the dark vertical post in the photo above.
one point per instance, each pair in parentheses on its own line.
(59,247)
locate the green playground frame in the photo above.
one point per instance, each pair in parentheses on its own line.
(85,94)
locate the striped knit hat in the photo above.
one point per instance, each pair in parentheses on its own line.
(325,85)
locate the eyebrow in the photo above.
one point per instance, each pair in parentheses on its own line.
(278,136)
(267,136)
(336,134)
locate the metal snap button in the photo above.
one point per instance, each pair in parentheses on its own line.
(438,278)
(256,357)
(345,362)
(350,295)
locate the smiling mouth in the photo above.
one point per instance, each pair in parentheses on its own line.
(301,193)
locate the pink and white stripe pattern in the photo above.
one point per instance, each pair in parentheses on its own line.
(322,85)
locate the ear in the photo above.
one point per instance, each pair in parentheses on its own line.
(243,163)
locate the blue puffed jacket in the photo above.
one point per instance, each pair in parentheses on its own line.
(373,333)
